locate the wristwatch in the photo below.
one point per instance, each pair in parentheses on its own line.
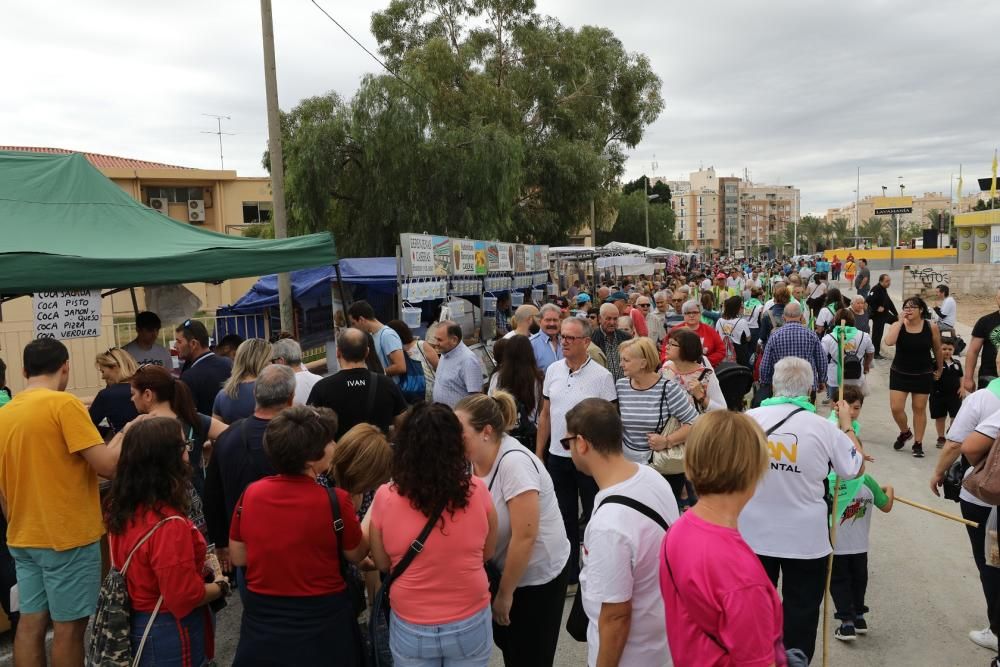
(224,586)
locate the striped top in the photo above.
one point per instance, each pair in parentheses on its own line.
(647,411)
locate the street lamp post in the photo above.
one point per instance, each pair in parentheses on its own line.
(646,192)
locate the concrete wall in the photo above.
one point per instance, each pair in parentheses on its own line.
(962,279)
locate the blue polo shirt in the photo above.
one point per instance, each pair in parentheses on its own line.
(545,355)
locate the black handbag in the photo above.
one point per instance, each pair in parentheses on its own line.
(355,589)
(951,484)
(378,620)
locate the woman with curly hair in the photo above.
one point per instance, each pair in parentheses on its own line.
(441,604)
(146,517)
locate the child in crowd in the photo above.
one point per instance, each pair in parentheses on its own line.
(946,398)
(855,498)
(5,393)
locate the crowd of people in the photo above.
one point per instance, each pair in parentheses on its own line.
(631,453)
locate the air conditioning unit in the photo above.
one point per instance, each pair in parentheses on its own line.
(196,211)
(160,204)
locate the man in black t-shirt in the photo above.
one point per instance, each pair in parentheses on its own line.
(349,392)
(985,337)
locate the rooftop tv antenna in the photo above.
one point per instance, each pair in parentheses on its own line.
(219,133)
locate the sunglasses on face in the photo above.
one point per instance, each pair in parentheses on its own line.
(567,441)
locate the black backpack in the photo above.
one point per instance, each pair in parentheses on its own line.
(525,431)
(853,368)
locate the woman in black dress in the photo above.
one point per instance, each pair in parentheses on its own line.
(913,370)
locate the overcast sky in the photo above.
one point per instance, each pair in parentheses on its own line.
(799,93)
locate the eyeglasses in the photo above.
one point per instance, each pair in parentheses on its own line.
(691,312)
(573,339)
(909,306)
(592,316)
(642,305)
(567,441)
(673,343)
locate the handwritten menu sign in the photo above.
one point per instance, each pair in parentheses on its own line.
(69,314)
(421,255)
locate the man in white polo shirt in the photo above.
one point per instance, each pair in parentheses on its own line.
(785,522)
(567,382)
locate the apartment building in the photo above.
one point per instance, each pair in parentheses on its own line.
(726,213)
(922,205)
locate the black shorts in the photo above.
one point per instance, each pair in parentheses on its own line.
(943,405)
(917,383)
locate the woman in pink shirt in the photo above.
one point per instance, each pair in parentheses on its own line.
(441,612)
(721,608)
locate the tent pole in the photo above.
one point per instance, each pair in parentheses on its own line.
(343,298)
(399,282)
(135,302)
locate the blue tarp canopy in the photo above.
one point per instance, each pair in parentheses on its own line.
(369,271)
(312,285)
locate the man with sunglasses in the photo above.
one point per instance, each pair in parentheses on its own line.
(619,582)
(204,372)
(571,379)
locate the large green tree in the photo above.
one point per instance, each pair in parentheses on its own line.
(501,124)
(630,223)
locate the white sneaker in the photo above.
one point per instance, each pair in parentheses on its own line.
(984,638)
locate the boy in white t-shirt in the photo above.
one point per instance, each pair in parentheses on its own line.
(855,499)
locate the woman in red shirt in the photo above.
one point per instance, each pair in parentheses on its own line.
(441,613)
(296,607)
(710,340)
(149,498)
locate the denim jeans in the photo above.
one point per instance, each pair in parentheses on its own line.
(464,643)
(171,642)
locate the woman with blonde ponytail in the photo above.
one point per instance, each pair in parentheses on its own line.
(532,550)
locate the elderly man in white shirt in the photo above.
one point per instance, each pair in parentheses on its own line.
(288,352)
(785,522)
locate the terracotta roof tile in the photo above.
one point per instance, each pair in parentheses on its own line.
(97,159)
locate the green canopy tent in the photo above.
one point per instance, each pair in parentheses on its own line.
(64,225)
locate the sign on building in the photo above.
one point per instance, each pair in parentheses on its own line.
(68,314)
(893,205)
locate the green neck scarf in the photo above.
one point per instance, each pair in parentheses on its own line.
(994,386)
(849,333)
(801,401)
(752,303)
